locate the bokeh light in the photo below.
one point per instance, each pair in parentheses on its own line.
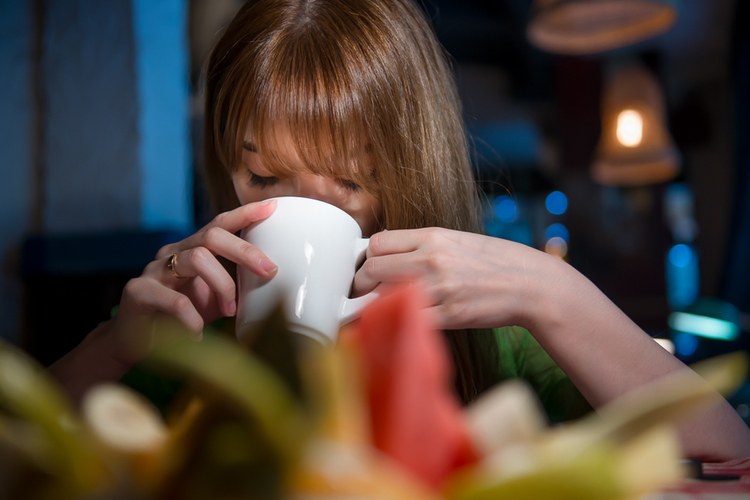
(667,344)
(556,246)
(685,344)
(557,230)
(556,203)
(506,209)
(630,128)
(680,255)
(683,276)
(704,326)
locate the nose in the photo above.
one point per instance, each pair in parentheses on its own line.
(318,187)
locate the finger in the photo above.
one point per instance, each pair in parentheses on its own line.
(148,296)
(221,242)
(243,216)
(200,262)
(397,268)
(231,222)
(204,299)
(391,242)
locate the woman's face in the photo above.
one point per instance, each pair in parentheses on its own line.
(253,182)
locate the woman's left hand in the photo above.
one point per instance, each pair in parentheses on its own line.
(471,280)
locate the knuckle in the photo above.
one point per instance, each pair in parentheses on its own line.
(440,261)
(432,263)
(153,267)
(376,243)
(132,286)
(133,291)
(220,220)
(212,235)
(228,288)
(164,251)
(181,304)
(248,252)
(200,257)
(432,234)
(370,268)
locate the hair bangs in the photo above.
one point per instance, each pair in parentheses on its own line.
(304,112)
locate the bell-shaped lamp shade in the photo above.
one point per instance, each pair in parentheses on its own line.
(635,147)
(577,27)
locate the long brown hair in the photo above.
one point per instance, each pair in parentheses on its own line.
(352,82)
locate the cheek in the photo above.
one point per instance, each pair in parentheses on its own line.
(245,193)
(239,188)
(370,216)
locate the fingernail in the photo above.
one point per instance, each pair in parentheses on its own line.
(232,308)
(268,266)
(268,201)
(198,337)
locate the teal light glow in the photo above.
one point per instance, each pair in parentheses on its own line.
(680,255)
(703,326)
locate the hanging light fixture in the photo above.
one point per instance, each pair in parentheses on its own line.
(635,147)
(577,27)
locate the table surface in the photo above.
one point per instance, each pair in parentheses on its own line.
(720,488)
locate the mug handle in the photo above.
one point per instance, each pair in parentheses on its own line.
(350,309)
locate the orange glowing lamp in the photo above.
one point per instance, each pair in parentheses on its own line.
(635,147)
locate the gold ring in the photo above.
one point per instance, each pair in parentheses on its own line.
(172,266)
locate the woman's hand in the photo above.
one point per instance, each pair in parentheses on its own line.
(472,281)
(204,291)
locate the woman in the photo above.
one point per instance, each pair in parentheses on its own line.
(352,102)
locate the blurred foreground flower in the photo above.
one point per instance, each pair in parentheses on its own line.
(373,418)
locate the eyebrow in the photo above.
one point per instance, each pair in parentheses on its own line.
(249,146)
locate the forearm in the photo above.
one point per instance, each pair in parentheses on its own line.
(606,355)
(93,361)
(603,351)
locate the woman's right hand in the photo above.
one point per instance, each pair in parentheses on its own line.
(156,302)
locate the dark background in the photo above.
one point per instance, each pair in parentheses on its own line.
(534,118)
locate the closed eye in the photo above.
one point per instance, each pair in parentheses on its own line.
(350,185)
(259,181)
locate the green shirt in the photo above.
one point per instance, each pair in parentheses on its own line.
(521,356)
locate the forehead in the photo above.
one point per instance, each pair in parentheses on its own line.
(287,151)
(275,141)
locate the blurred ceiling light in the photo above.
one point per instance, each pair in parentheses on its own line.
(635,147)
(578,27)
(629,128)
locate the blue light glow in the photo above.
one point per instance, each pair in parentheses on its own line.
(683,276)
(703,326)
(680,255)
(685,344)
(556,203)
(506,209)
(557,230)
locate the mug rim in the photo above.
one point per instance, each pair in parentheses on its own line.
(319,202)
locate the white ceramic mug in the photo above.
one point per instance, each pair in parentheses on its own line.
(317,248)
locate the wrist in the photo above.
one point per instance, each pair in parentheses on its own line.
(92,362)
(549,304)
(105,341)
